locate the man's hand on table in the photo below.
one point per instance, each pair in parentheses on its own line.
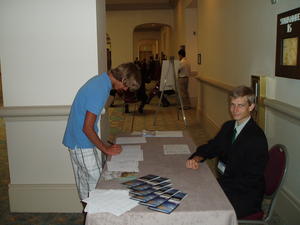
(193,163)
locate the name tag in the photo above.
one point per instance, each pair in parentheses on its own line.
(221,167)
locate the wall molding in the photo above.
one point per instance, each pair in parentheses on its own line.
(44,198)
(289,110)
(34,111)
(215,83)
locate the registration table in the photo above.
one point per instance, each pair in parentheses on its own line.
(206,204)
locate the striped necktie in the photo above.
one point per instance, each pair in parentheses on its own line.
(233,135)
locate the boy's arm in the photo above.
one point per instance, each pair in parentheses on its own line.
(88,129)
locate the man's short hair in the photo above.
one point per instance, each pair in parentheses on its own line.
(242,91)
(181,52)
(129,74)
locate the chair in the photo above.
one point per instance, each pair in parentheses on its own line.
(275,173)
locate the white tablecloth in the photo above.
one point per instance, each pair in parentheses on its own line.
(206,204)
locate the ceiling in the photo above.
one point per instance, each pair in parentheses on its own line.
(145,5)
(149,27)
(139,4)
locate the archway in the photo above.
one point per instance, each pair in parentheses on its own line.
(151,40)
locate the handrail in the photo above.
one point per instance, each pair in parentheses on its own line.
(282,107)
(215,83)
(34,111)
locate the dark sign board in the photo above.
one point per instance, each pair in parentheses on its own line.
(288,44)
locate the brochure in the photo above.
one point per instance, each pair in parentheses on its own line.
(162,190)
(142,192)
(148,177)
(159,180)
(169,193)
(161,185)
(133,183)
(154,202)
(144,198)
(178,197)
(166,207)
(141,187)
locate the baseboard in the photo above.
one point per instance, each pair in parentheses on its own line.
(42,198)
(209,126)
(288,208)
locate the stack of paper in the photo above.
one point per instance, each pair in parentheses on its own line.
(125,166)
(130,140)
(176,149)
(176,133)
(129,153)
(128,160)
(116,202)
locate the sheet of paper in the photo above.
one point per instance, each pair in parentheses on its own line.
(130,140)
(176,149)
(124,166)
(136,133)
(176,133)
(116,202)
(129,153)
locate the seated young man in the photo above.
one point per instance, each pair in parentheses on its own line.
(242,149)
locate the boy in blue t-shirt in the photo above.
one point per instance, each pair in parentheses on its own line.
(81,135)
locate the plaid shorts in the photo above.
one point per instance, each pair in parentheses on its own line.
(87,167)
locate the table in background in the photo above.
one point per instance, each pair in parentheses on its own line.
(206,203)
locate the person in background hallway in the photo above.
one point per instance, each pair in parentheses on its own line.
(242,148)
(140,94)
(184,72)
(112,93)
(136,61)
(151,69)
(81,134)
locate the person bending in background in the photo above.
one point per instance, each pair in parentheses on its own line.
(242,148)
(81,134)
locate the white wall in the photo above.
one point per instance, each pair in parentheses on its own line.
(179,26)
(237,39)
(101,36)
(120,27)
(49,49)
(43,42)
(191,36)
(166,33)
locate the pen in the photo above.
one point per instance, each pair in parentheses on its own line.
(110,142)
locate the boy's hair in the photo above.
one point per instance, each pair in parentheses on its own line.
(242,91)
(181,52)
(129,74)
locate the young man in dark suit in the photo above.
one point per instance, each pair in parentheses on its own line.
(242,149)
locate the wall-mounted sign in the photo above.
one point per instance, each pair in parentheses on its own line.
(288,44)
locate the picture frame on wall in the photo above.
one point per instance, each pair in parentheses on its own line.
(199,58)
(288,44)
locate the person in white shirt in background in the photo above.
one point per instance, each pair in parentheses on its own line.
(184,72)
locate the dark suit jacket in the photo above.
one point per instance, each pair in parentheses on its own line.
(245,160)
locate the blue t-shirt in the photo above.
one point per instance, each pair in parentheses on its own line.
(91,97)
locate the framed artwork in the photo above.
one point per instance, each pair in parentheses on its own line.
(199,59)
(288,44)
